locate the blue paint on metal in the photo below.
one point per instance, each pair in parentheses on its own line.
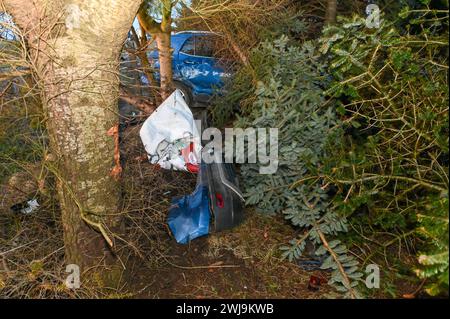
(189,215)
(201,74)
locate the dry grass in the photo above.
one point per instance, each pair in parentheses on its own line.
(241,263)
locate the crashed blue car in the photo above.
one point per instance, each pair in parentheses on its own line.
(196,72)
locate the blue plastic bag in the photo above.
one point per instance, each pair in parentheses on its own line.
(189,215)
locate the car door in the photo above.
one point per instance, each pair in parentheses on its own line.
(197,65)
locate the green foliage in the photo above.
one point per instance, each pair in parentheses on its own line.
(287,22)
(288,96)
(393,149)
(434,228)
(363,136)
(350,265)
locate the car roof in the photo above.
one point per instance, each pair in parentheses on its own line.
(178,38)
(188,32)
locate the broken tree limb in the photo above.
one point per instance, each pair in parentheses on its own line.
(347,283)
(142,104)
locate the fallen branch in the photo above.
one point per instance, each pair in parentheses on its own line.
(347,283)
(142,104)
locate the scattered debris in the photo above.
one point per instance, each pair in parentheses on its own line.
(170,136)
(172,140)
(315,281)
(224,193)
(189,215)
(309,260)
(309,264)
(27,207)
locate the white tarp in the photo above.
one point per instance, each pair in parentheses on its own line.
(170,135)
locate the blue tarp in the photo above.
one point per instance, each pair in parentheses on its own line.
(189,215)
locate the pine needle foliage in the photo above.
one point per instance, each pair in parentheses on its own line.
(362,115)
(289,96)
(392,156)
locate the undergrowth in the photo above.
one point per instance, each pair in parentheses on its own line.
(363,143)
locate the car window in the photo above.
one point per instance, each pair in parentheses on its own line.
(189,46)
(204,46)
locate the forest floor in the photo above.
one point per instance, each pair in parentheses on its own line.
(237,264)
(244,262)
(240,263)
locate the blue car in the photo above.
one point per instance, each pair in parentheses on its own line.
(196,72)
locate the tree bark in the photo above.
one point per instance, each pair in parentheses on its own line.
(330,17)
(161,32)
(141,103)
(77,66)
(165,63)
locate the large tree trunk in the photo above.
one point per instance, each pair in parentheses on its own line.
(76,62)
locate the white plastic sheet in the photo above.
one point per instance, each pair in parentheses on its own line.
(170,136)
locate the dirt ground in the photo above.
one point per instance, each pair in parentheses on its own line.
(240,263)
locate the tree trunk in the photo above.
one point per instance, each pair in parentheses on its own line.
(74,47)
(161,32)
(165,63)
(330,17)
